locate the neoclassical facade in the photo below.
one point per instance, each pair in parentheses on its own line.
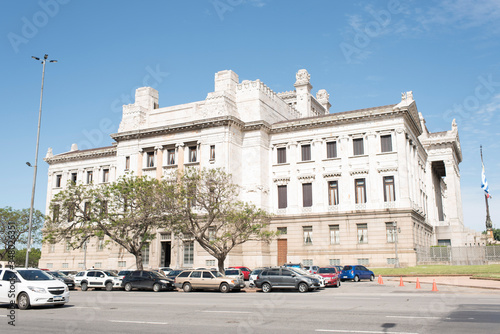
(369,186)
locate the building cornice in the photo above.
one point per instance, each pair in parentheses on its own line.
(82,155)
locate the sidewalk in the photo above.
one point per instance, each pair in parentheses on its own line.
(462,281)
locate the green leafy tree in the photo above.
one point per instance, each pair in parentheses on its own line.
(128,211)
(33,258)
(14,226)
(209,210)
(496,234)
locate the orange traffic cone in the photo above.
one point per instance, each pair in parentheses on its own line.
(418,284)
(401,282)
(434,286)
(380,280)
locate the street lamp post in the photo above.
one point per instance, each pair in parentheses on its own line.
(35,166)
(396,231)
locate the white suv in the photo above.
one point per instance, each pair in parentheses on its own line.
(32,287)
(97,279)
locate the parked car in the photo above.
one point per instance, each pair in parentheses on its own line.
(331,275)
(237,275)
(173,273)
(253,276)
(97,279)
(60,276)
(205,279)
(312,269)
(33,287)
(125,272)
(356,273)
(285,278)
(69,273)
(245,270)
(293,265)
(147,280)
(321,279)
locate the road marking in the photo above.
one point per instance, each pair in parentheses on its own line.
(225,312)
(364,332)
(140,322)
(410,317)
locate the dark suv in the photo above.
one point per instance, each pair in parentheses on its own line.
(147,280)
(285,278)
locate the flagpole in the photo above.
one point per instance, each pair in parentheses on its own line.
(489,224)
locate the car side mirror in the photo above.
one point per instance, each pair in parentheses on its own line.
(293,275)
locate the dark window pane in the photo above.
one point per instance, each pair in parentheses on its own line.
(358,148)
(389,194)
(306,152)
(307,194)
(331,149)
(386,143)
(281,155)
(333,193)
(360,188)
(282,197)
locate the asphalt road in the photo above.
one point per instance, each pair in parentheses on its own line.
(363,307)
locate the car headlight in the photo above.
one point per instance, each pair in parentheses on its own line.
(37,290)
(66,289)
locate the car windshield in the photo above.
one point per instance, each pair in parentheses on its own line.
(326,271)
(57,274)
(157,274)
(216,273)
(232,272)
(34,275)
(124,272)
(174,272)
(110,273)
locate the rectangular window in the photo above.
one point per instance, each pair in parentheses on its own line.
(105,175)
(127,163)
(282,230)
(282,197)
(122,264)
(50,265)
(192,154)
(65,265)
(145,255)
(389,194)
(364,261)
(171,156)
(362,233)
(333,193)
(188,253)
(391,260)
(74,177)
(334,234)
(306,152)
(386,143)
(150,162)
(212,152)
(307,199)
(58,180)
(52,247)
(90,176)
(281,155)
(358,148)
(210,263)
(307,262)
(55,212)
(67,247)
(98,265)
(81,265)
(308,232)
(390,231)
(100,244)
(71,212)
(360,188)
(211,233)
(335,262)
(331,149)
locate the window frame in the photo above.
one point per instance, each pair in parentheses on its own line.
(282,196)
(307,234)
(281,155)
(307,195)
(389,188)
(362,188)
(388,143)
(355,147)
(331,149)
(305,150)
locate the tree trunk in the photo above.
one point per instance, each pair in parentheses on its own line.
(220,264)
(138,261)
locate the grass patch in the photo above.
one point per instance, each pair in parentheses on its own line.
(482,270)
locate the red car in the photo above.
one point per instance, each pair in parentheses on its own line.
(331,275)
(246,272)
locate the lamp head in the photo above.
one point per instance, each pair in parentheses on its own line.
(27,163)
(35,57)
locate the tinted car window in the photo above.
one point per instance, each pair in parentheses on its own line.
(326,271)
(196,274)
(256,271)
(35,275)
(347,268)
(232,272)
(81,273)
(91,274)
(285,272)
(272,272)
(136,274)
(206,274)
(184,274)
(8,275)
(146,274)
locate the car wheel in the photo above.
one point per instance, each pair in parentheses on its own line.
(303,287)
(266,287)
(187,287)
(128,287)
(338,283)
(109,286)
(85,287)
(356,278)
(224,287)
(156,287)
(23,301)
(372,278)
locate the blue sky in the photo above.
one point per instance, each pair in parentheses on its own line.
(364,53)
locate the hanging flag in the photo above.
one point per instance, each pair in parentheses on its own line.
(484,184)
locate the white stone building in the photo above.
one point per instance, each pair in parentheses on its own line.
(339,184)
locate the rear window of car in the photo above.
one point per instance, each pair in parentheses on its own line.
(347,267)
(256,271)
(184,274)
(327,271)
(232,272)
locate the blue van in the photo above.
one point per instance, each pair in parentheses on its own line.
(356,273)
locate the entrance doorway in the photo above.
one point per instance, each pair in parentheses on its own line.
(282,251)
(166,252)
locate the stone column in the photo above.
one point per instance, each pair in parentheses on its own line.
(180,156)
(403,171)
(139,162)
(159,161)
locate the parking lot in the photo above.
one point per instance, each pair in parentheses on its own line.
(363,307)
